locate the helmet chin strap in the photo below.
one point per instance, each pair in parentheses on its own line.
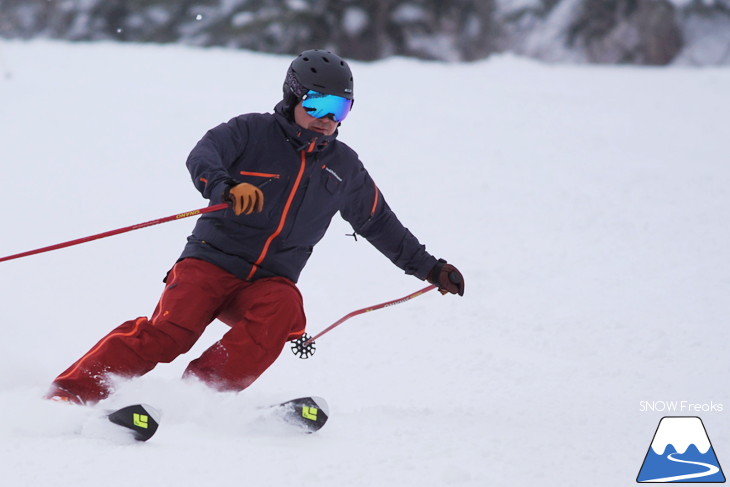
(290,102)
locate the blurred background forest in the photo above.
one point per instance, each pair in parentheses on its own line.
(648,32)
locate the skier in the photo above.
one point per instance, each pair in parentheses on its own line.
(285,175)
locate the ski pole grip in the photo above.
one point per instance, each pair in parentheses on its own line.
(455,277)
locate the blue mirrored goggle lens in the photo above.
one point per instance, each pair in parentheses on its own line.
(320,105)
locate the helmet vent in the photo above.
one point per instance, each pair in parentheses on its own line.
(314,70)
(325,59)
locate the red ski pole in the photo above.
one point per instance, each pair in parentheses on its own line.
(368,309)
(70,243)
(304,346)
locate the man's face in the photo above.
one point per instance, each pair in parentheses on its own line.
(324,125)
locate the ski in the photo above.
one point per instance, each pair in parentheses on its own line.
(140,419)
(306,413)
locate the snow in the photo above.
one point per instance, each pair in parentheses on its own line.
(586,207)
(354,21)
(702,47)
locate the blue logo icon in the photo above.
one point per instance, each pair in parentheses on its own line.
(681,452)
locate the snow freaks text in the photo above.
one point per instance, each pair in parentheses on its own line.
(683,407)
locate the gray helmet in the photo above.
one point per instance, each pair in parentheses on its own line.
(321,71)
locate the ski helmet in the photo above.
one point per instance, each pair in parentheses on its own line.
(321,71)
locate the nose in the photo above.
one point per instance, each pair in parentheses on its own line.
(327,120)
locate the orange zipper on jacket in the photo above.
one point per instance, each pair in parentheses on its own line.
(375,200)
(260,174)
(284,215)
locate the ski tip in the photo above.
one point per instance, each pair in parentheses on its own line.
(141,419)
(321,404)
(155,413)
(309,413)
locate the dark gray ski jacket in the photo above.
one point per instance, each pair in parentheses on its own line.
(306,178)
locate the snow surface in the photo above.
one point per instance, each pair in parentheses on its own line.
(586,206)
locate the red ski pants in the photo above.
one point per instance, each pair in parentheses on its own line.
(262,314)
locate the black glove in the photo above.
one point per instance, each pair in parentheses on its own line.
(447,278)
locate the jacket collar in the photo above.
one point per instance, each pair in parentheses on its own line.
(300,138)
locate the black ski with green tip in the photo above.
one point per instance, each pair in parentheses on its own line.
(140,419)
(308,414)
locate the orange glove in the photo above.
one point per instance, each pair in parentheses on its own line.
(246,199)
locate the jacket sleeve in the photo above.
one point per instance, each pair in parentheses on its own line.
(210,160)
(369,214)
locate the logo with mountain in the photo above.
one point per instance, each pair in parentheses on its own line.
(681,452)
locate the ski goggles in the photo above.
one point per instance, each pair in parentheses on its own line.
(319,105)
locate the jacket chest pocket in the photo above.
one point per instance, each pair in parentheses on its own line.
(266,176)
(332,181)
(274,187)
(319,204)
(322,195)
